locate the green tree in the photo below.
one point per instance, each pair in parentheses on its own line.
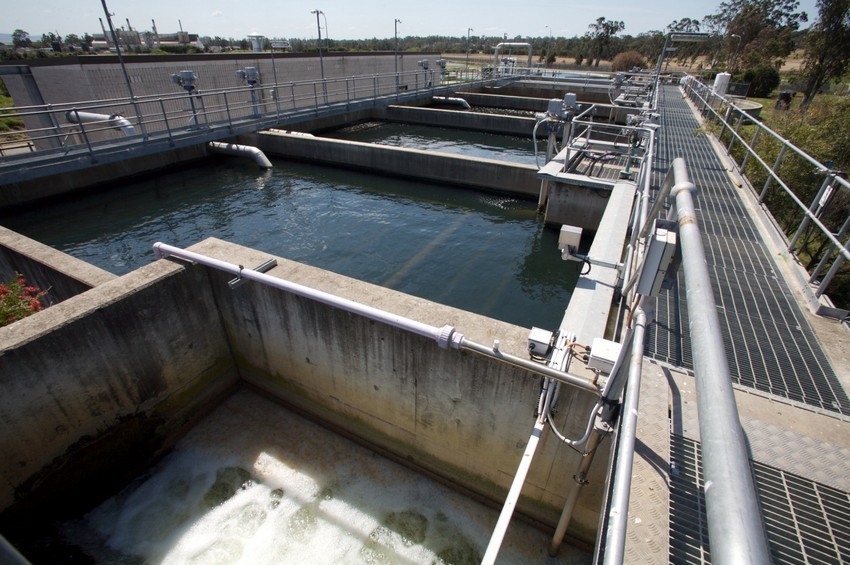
(827,47)
(20,38)
(600,35)
(766,28)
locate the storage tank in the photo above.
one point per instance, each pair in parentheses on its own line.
(721,83)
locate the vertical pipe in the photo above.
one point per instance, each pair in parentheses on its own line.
(615,535)
(513,494)
(734,519)
(579,480)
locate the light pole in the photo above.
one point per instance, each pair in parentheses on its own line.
(735,56)
(467,46)
(123,67)
(321,59)
(397,21)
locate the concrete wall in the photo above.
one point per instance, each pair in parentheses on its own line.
(99,77)
(95,387)
(424,165)
(459,415)
(47,268)
(96,176)
(491,123)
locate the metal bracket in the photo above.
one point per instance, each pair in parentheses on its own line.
(261,268)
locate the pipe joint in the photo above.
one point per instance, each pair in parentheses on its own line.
(684,185)
(448,338)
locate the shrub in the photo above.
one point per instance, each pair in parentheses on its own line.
(763,79)
(627,60)
(18,300)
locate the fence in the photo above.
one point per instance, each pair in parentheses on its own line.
(785,178)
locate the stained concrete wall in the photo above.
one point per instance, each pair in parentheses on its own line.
(458,415)
(93,388)
(99,77)
(412,163)
(111,175)
(491,123)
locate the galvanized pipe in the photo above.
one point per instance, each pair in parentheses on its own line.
(734,520)
(615,534)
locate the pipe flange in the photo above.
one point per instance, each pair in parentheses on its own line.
(444,338)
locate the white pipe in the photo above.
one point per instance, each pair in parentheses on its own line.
(513,494)
(500,45)
(242,151)
(116,121)
(451,100)
(615,535)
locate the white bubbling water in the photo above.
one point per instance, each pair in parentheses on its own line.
(254,483)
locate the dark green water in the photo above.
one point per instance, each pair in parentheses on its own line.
(482,252)
(455,141)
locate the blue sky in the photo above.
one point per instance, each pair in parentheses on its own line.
(355,19)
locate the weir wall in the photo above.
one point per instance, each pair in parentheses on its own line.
(95,388)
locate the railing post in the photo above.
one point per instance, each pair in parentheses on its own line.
(747,154)
(347,94)
(167,125)
(315,98)
(737,129)
(85,136)
(227,110)
(839,260)
(775,169)
(292,90)
(841,233)
(827,182)
(735,527)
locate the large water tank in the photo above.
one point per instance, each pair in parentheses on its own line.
(721,83)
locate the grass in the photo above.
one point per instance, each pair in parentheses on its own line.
(9,120)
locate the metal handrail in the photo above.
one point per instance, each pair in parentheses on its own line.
(161,110)
(706,97)
(735,526)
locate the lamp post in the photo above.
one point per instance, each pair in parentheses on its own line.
(123,67)
(321,59)
(735,55)
(467,46)
(397,21)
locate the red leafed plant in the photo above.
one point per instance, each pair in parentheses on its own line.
(18,300)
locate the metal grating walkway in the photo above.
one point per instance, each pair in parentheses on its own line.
(805,521)
(770,345)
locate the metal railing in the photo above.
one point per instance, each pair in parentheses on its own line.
(55,133)
(735,526)
(732,120)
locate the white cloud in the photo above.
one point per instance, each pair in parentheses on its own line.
(217,14)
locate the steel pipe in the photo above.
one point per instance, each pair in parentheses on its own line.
(734,520)
(116,121)
(615,534)
(242,151)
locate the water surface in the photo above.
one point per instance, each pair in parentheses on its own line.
(483,252)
